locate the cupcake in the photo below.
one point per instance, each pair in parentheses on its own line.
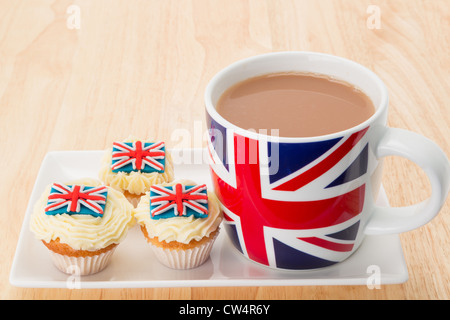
(180,221)
(133,166)
(81,223)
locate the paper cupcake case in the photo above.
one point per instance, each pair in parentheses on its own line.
(82,265)
(184,259)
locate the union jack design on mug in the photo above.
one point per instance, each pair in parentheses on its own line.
(76,199)
(271,216)
(178,200)
(138,156)
(308,202)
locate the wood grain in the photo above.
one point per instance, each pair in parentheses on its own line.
(140,67)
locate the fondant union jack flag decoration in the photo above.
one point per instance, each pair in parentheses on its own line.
(76,199)
(306,212)
(178,200)
(138,156)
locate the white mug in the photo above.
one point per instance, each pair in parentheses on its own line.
(316,207)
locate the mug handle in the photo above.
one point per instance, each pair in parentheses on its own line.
(426,154)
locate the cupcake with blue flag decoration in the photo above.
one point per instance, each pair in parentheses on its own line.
(133,166)
(180,220)
(81,223)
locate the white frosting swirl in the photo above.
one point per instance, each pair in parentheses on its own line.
(180,229)
(84,232)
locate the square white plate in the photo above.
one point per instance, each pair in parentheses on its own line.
(379,260)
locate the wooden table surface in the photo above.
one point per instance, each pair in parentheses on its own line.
(75,75)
